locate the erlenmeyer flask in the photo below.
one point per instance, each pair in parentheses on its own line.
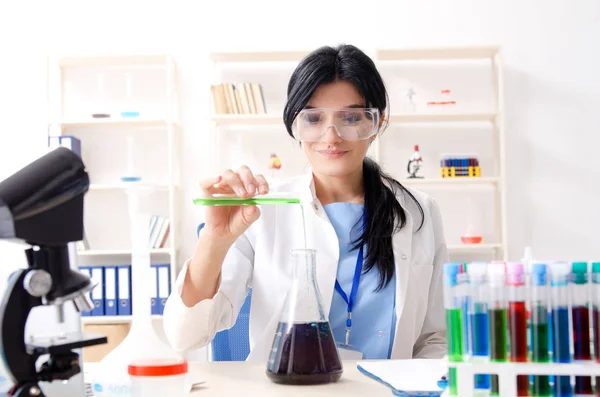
(304,350)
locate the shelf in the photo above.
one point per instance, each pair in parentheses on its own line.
(417,54)
(451,181)
(116,122)
(113,60)
(157,251)
(123,186)
(266,56)
(238,119)
(442,117)
(474,247)
(111,319)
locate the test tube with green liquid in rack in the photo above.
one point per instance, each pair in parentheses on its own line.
(539,327)
(453,303)
(498,318)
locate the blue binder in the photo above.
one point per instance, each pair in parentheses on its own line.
(124,290)
(87,271)
(164,286)
(110,290)
(154,289)
(68,141)
(98,291)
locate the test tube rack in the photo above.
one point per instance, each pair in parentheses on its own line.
(460,166)
(508,371)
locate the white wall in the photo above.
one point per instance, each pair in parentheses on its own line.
(551,63)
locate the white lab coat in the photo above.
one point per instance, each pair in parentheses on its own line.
(260,259)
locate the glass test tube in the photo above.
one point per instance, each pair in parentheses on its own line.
(517,321)
(580,311)
(540,303)
(478,319)
(559,277)
(453,303)
(463,280)
(497,312)
(596,317)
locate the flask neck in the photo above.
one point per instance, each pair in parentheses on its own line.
(304,303)
(304,267)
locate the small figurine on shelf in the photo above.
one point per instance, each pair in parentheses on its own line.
(414,164)
(274,164)
(410,105)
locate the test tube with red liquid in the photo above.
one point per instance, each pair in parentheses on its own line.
(517,320)
(580,312)
(596,317)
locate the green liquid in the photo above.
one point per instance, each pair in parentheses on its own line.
(540,354)
(454,322)
(498,332)
(232,201)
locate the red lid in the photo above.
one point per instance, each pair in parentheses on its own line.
(157,367)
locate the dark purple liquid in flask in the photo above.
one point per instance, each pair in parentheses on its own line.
(304,350)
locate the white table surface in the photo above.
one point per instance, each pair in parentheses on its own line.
(243,379)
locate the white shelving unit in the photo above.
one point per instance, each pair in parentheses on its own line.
(493,119)
(164,124)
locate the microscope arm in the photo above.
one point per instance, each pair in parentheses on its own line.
(13,317)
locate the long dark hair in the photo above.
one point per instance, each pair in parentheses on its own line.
(385,215)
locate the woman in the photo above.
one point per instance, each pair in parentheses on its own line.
(336,107)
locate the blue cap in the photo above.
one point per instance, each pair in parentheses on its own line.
(451,272)
(539,273)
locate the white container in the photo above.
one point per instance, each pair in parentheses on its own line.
(158,378)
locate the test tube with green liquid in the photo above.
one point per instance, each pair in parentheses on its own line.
(232,200)
(498,318)
(540,327)
(453,303)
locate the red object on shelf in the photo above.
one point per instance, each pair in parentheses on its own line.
(471,239)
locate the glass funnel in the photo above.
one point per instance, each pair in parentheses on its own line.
(304,350)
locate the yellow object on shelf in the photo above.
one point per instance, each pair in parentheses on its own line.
(460,172)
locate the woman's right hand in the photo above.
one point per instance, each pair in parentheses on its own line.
(227,223)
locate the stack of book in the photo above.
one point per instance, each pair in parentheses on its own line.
(238,98)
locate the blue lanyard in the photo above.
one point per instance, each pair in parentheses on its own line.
(353,292)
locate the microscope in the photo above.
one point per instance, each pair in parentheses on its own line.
(42,205)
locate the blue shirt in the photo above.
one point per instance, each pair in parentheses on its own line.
(373,315)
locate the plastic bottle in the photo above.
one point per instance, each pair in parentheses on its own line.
(111,377)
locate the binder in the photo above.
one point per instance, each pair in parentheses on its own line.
(110,290)
(124,290)
(87,271)
(68,141)
(98,291)
(154,289)
(164,286)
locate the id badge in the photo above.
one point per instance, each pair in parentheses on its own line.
(347,352)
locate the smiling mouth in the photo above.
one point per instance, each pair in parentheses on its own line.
(332,153)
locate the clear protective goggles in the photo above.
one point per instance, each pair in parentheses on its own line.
(350,124)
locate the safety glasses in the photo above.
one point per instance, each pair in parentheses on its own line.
(350,124)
